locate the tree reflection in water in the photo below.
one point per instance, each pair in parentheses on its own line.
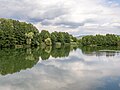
(15,60)
(100,51)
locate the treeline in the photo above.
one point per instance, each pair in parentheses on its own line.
(15,33)
(60,38)
(100,40)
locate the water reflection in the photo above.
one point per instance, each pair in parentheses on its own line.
(101,51)
(14,60)
(64,68)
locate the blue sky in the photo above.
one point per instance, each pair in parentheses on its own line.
(74,16)
(117,1)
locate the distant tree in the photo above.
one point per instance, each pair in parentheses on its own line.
(44,35)
(66,37)
(60,37)
(100,40)
(54,37)
(29,37)
(48,42)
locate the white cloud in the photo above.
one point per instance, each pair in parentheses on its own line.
(64,14)
(116,24)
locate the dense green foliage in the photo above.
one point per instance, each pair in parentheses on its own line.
(100,40)
(13,32)
(62,37)
(56,37)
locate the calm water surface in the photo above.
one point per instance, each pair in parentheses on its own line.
(60,69)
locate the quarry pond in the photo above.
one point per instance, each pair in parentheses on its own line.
(64,68)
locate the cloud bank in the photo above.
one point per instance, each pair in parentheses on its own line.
(74,16)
